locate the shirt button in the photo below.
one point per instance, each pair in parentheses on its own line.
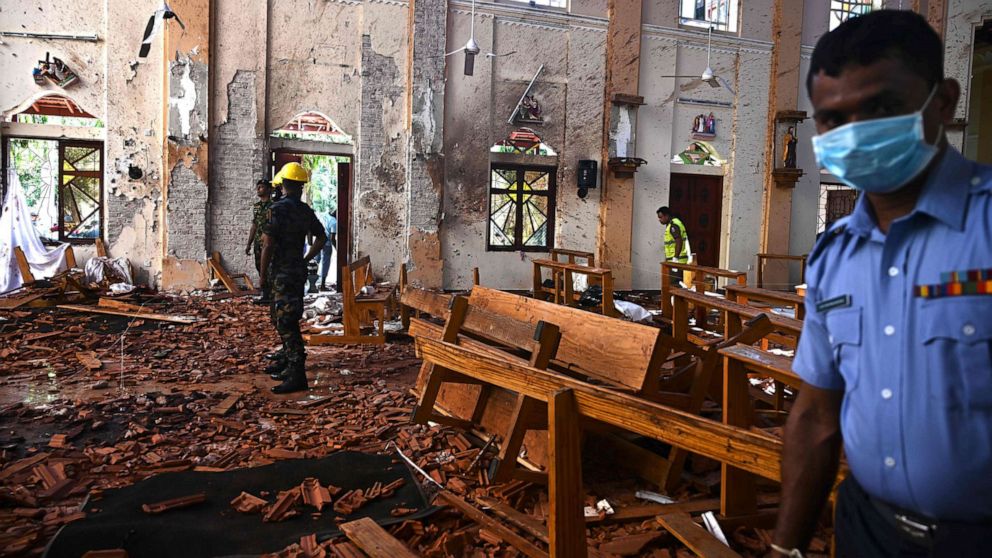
(890,462)
(889,330)
(831,339)
(975,180)
(968,330)
(893,271)
(886,393)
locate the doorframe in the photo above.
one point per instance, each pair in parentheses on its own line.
(343,249)
(714,172)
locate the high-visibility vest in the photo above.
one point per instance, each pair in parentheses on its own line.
(670,241)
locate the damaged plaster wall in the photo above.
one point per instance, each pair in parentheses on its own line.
(238,155)
(426,165)
(379,209)
(19,55)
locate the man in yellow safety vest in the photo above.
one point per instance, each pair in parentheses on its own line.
(676,241)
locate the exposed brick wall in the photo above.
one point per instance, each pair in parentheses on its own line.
(236,163)
(187,219)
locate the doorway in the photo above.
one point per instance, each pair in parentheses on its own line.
(698,201)
(978,135)
(329,194)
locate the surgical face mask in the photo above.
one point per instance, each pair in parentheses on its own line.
(877,156)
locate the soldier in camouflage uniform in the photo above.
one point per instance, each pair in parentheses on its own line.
(259,214)
(285,266)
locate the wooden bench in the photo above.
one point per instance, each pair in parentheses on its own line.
(563,290)
(767,298)
(572,256)
(786,329)
(700,274)
(764,258)
(229,281)
(360,309)
(571,402)
(589,349)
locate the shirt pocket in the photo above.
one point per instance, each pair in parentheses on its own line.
(957,337)
(844,329)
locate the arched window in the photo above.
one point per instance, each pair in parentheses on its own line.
(313,126)
(521,196)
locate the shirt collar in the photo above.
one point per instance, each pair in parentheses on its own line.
(944,196)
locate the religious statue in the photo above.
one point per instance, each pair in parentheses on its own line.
(711,124)
(531,108)
(698,124)
(789,146)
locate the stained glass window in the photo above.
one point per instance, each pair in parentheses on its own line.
(841,11)
(721,15)
(521,208)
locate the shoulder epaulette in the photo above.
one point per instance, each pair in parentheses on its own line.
(828,236)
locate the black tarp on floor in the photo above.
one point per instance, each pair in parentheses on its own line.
(217,529)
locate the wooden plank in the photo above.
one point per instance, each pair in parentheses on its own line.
(427,302)
(508,535)
(22,264)
(781,323)
(119,305)
(214,262)
(526,523)
(226,405)
(595,342)
(756,452)
(70,258)
(374,540)
(566,525)
(138,315)
(101,248)
(698,539)
(776,366)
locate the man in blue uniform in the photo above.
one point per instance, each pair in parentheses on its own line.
(283,237)
(896,350)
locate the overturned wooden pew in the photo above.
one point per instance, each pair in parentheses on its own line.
(570,400)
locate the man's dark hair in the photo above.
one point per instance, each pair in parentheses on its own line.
(294,185)
(895,34)
(665,211)
(263,182)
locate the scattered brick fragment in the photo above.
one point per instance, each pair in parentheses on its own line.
(247,503)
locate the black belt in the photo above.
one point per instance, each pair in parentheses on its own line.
(916,527)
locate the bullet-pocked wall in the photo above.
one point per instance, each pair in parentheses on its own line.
(113,85)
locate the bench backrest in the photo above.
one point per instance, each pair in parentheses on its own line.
(745,295)
(605,348)
(572,255)
(782,324)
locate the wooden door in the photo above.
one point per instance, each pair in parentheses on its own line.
(343,249)
(698,201)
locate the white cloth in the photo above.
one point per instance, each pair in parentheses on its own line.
(99,269)
(631,311)
(16,230)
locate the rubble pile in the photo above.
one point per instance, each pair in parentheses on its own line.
(79,416)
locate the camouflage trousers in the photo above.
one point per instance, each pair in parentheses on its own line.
(286,312)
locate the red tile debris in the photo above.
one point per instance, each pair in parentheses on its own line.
(282,508)
(314,494)
(175,503)
(247,503)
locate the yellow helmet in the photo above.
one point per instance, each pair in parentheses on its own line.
(293,171)
(277,180)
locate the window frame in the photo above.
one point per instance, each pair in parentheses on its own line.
(526,5)
(61,144)
(552,195)
(731,28)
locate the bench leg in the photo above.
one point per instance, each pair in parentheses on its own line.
(566,525)
(528,414)
(425,406)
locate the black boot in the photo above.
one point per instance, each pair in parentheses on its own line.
(275,368)
(295,380)
(278,355)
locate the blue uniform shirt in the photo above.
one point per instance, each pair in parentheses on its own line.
(916,370)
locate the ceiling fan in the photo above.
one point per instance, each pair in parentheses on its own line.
(471,49)
(708,76)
